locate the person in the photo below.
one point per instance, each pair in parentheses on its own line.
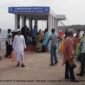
(68,57)
(9,41)
(46,37)
(53,39)
(23,32)
(7,46)
(76,41)
(18,47)
(82,57)
(34,34)
(39,40)
(29,40)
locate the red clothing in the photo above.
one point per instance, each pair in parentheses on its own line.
(68,51)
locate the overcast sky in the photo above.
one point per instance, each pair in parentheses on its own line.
(73,9)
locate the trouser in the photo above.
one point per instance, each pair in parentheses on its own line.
(82,64)
(33,42)
(7,50)
(44,48)
(53,54)
(69,71)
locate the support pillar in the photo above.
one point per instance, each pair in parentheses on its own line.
(17,21)
(53,22)
(23,21)
(47,23)
(30,24)
(56,25)
(57,28)
(50,24)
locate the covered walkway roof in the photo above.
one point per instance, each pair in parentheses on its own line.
(36,13)
(31,12)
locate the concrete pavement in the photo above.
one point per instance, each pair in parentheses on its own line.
(37,71)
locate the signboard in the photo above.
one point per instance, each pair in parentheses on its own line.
(28,9)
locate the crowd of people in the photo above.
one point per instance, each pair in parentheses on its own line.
(70,47)
(73,47)
(35,40)
(23,39)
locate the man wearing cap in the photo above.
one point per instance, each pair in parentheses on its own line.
(18,47)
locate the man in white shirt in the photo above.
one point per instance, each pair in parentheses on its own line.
(18,47)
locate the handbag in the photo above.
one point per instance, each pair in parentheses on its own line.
(73,65)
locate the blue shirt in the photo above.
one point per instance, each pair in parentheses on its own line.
(34,32)
(46,37)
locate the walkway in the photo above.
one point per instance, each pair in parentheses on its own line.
(37,71)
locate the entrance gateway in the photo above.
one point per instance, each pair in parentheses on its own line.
(35,13)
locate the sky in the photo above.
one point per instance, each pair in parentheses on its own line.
(73,9)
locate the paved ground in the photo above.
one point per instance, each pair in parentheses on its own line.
(37,71)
